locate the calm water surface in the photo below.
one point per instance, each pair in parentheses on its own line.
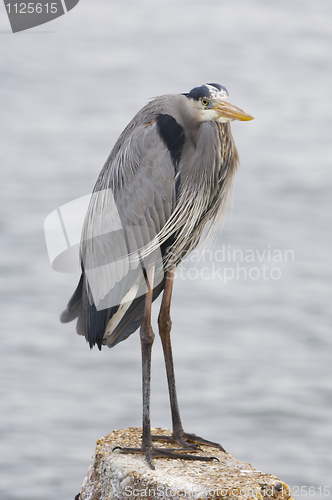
(252,352)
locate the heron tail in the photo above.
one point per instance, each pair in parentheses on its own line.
(92,323)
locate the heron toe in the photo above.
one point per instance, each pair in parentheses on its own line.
(182,439)
(152,452)
(176,440)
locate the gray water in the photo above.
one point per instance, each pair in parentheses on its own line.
(252,356)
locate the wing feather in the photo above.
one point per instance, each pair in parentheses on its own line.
(122,220)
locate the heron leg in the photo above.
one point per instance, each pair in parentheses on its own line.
(165,324)
(147,338)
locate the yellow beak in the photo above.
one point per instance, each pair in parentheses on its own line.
(227,110)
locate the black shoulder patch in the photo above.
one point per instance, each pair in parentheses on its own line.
(173,135)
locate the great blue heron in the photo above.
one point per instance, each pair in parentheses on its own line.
(168,174)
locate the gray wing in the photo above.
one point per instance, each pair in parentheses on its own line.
(133,199)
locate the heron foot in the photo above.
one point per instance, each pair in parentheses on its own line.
(182,439)
(151,452)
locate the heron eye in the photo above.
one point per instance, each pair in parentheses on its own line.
(205,102)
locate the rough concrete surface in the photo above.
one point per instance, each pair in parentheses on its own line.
(115,476)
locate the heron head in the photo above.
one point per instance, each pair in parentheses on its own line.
(210,102)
